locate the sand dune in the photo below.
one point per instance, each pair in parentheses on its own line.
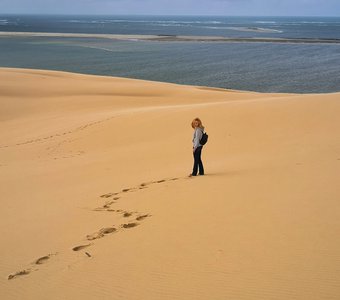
(96,202)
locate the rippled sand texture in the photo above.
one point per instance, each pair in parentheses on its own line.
(96,202)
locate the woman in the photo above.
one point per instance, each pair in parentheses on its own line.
(196,124)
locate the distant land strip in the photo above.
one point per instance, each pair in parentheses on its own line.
(172,38)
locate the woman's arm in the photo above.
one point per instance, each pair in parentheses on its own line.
(197,137)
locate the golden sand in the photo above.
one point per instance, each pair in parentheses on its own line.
(96,202)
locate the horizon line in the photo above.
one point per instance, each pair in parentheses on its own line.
(170,15)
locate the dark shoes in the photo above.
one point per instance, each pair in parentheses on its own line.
(191,175)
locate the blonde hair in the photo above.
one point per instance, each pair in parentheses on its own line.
(199,123)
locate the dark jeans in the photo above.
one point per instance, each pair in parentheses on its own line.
(198,165)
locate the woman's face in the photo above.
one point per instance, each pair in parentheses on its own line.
(196,124)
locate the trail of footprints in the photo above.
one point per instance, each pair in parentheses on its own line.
(37,140)
(103,231)
(39,261)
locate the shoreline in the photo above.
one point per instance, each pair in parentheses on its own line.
(171,38)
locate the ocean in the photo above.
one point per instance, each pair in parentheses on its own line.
(260,66)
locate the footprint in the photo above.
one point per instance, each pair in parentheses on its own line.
(127,214)
(94,236)
(144,184)
(20,273)
(101,233)
(108,195)
(107,230)
(160,181)
(42,260)
(81,247)
(98,209)
(108,204)
(129,190)
(142,217)
(129,225)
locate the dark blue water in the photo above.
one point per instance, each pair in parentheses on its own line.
(288,27)
(265,67)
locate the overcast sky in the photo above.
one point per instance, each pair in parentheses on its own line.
(175,7)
